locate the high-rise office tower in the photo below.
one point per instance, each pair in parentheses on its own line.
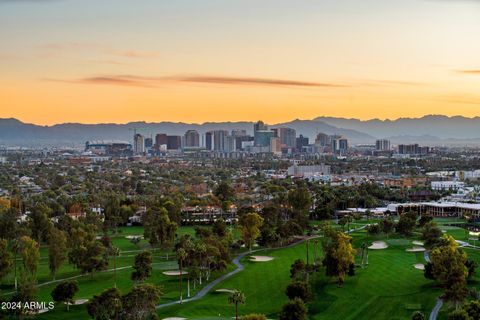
(301,142)
(160,140)
(174,142)
(287,137)
(259,126)
(219,137)
(209,140)
(192,139)
(382,145)
(138,144)
(322,140)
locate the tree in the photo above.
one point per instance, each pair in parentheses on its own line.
(181,257)
(339,254)
(424,219)
(458,315)
(418,315)
(387,225)
(219,228)
(224,191)
(300,202)
(140,303)
(431,234)
(298,289)
(105,306)
(6,262)
(112,213)
(8,224)
(298,269)
(27,292)
(30,254)
(406,223)
(250,224)
(158,228)
(449,268)
(236,297)
(428,272)
(142,266)
(294,310)
(57,250)
(471,267)
(87,253)
(39,222)
(64,292)
(473,309)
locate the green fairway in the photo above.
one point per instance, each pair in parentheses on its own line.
(390,288)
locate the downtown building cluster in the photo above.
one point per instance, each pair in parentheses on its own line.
(265,140)
(274,141)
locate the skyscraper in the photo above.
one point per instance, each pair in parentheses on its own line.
(339,145)
(287,137)
(262,138)
(192,139)
(322,140)
(301,142)
(209,140)
(219,137)
(382,145)
(259,126)
(138,144)
(174,142)
(160,140)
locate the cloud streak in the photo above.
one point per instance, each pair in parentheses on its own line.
(149,82)
(474,71)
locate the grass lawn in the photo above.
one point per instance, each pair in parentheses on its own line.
(389,288)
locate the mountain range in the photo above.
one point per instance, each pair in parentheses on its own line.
(432,129)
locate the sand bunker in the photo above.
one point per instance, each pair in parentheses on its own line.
(378,245)
(134,236)
(78,302)
(174,273)
(224,291)
(416,249)
(419,266)
(260,258)
(418,243)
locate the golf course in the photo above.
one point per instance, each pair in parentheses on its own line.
(390,286)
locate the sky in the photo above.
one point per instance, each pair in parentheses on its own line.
(196,61)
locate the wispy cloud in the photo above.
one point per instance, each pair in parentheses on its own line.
(152,81)
(253,81)
(473,71)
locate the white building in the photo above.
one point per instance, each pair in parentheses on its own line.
(447,185)
(307,171)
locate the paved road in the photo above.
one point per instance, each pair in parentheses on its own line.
(436,309)
(240,267)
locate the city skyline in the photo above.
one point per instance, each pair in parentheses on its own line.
(190,61)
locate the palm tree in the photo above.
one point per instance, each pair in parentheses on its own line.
(235,298)
(181,256)
(115,251)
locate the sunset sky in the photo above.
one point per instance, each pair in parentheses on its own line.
(94,61)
